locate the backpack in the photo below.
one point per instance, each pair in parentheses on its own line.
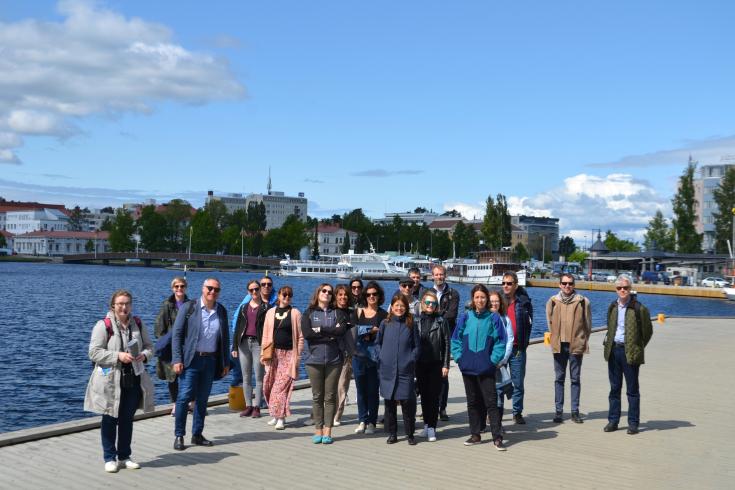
(108,326)
(162,347)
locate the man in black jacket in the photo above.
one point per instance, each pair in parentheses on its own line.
(520,312)
(448,306)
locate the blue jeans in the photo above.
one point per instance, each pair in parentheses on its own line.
(617,367)
(120,428)
(366,384)
(235,372)
(517,364)
(194,382)
(560,367)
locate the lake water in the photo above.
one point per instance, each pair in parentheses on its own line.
(47,312)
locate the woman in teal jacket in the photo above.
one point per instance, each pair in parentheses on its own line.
(478,345)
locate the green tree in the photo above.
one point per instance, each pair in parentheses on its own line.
(106,225)
(362,244)
(658,234)
(346,243)
(724,197)
(615,244)
(121,232)
(356,221)
(419,210)
(315,241)
(257,220)
(76,219)
(567,246)
(205,237)
(218,212)
(152,228)
(684,204)
(288,239)
(501,210)
(579,256)
(491,227)
(521,253)
(3,242)
(88,247)
(441,244)
(465,239)
(178,218)
(452,213)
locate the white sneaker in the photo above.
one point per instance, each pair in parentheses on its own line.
(111,466)
(129,464)
(360,428)
(280,424)
(336,423)
(272,421)
(424,432)
(370,429)
(431,434)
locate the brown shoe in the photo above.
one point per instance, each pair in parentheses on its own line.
(256,413)
(247,412)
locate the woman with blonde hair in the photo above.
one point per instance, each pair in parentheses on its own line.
(164,324)
(281,353)
(119,384)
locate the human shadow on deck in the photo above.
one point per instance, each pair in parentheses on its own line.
(187,458)
(664,425)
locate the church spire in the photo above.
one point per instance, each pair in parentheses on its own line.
(269,180)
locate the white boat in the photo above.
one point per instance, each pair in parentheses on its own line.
(327,266)
(490,274)
(369,266)
(729,293)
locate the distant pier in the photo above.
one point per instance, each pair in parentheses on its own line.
(691,291)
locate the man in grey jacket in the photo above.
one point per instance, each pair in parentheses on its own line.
(200,342)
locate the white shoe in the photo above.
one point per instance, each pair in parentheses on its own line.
(424,433)
(272,421)
(360,428)
(111,466)
(129,464)
(431,434)
(280,424)
(336,423)
(370,429)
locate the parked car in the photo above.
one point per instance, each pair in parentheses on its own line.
(715,282)
(599,276)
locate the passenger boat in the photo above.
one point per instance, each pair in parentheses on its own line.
(326,266)
(487,269)
(369,266)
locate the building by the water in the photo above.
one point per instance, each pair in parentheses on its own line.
(61,242)
(539,235)
(331,239)
(710,177)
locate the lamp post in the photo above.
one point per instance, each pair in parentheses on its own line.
(242,246)
(191,230)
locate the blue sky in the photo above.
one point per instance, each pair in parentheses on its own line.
(586,111)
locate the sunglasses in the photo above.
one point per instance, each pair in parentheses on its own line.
(266,284)
(405,285)
(213,288)
(371,295)
(254,290)
(620,288)
(179,286)
(565,283)
(506,283)
(327,291)
(356,287)
(431,303)
(287,295)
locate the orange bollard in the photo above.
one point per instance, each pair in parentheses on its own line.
(661,318)
(547,338)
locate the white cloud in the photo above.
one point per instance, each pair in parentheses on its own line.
(468,210)
(95,61)
(618,202)
(708,151)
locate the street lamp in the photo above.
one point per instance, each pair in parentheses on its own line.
(191,230)
(242,246)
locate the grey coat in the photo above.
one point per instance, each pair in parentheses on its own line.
(399,347)
(103,389)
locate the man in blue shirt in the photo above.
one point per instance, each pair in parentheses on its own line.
(200,350)
(628,331)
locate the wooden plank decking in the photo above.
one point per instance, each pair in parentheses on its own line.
(686,440)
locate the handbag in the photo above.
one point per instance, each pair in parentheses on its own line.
(266,352)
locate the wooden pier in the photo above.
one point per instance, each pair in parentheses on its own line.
(686,438)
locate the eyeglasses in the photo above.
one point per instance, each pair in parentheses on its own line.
(179,286)
(405,285)
(371,295)
(431,303)
(286,295)
(266,284)
(253,290)
(565,283)
(213,288)
(620,288)
(327,291)
(357,287)
(506,283)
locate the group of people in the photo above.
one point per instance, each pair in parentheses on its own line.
(401,353)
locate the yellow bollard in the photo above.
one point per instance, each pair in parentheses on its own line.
(236,398)
(547,338)
(661,318)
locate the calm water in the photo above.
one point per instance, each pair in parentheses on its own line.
(47,312)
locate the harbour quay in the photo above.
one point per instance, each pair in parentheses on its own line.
(669,290)
(685,439)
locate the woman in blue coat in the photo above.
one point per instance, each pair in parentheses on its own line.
(398,345)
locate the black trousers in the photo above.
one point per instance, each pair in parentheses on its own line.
(429,382)
(408,409)
(482,401)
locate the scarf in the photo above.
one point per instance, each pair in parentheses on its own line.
(566,299)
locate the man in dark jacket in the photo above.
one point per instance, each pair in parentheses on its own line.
(520,313)
(448,306)
(628,331)
(200,355)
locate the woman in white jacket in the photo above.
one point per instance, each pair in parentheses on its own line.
(119,384)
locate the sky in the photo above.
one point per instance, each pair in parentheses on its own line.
(584,111)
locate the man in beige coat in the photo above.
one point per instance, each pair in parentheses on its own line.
(569,319)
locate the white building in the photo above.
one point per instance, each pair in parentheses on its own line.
(408,218)
(331,239)
(233,201)
(278,207)
(93,220)
(46,219)
(60,242)
(709,180)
